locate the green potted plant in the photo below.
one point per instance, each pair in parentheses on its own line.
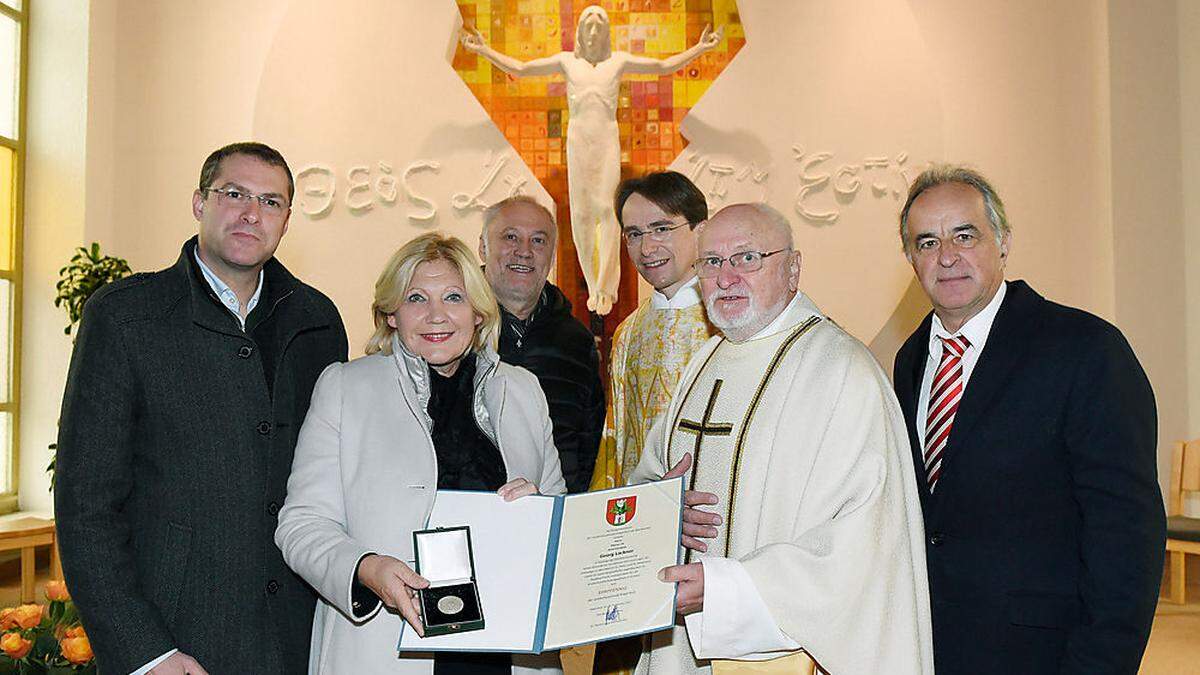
(86,272)
(83,275)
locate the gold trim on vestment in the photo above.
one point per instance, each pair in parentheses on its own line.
(679,412)
(737,448)
(796,663)
(687,554)
(700,428)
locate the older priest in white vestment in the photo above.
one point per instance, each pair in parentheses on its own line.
(809,542)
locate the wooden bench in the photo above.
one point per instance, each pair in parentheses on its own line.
(1183,532)
(26,534)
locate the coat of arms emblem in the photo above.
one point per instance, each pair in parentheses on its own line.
(621,510)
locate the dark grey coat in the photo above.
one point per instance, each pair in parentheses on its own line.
(175,446)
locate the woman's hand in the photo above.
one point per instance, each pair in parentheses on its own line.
(517,488)
(395,583)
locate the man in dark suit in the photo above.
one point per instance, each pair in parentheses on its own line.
(186,391)
(1036,427)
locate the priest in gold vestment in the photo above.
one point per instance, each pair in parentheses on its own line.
(658,214)
(809,547)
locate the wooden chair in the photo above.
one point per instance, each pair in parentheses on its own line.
(25,534)
(1183,532)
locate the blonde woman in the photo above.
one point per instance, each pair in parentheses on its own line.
(430,406)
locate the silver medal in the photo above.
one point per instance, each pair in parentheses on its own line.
(451,604)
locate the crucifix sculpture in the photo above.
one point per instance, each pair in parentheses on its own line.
(593,73)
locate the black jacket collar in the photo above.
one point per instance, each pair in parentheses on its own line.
(1007,343)
(279,290)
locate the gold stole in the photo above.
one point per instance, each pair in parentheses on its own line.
(796,663)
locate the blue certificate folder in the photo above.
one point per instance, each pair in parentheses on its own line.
(554,572)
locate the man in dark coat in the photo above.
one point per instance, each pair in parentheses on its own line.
(539,333)
(186,391)
(1036,428)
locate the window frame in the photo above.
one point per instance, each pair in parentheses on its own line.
(9,500)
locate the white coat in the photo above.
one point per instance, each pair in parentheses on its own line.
(365,475)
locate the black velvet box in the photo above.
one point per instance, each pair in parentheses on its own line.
(451,603)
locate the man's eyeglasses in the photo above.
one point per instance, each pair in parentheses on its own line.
(709,266)
(270,203)
(658,233)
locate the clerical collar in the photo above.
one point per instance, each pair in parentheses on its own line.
(226,294)
(688,295)
(785,320)
(976,329)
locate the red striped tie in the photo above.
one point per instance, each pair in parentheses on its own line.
(944,396)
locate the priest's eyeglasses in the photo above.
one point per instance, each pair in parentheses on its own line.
(659,232)
(742,262)
(270,203)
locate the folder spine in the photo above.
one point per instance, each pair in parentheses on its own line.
(548,574)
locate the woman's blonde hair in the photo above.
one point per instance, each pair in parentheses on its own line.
(397,275)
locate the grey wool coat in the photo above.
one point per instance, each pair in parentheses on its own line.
(365,477)
(174,449)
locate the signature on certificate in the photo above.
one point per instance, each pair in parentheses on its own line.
(613,614)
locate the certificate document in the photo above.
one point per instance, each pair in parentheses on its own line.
(554,572)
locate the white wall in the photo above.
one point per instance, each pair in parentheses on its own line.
(54,223)
(1189,107)
(1148,232)
(1077,109)
(1025,96)
(1189,122)
(320,82)
(1024,85)
(797,105)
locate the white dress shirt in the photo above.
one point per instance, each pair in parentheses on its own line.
(226,295)
(976,330)
(150,666)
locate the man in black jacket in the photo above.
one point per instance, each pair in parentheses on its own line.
(186,390)
(540,334)
(1033,430)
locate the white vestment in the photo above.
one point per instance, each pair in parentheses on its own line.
(821,546)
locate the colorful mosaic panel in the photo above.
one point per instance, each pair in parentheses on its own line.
(532,111)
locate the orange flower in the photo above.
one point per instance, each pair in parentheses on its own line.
(15,646)
(57,591)
(8,618)
(75,632)
(28,616)
(77,650)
